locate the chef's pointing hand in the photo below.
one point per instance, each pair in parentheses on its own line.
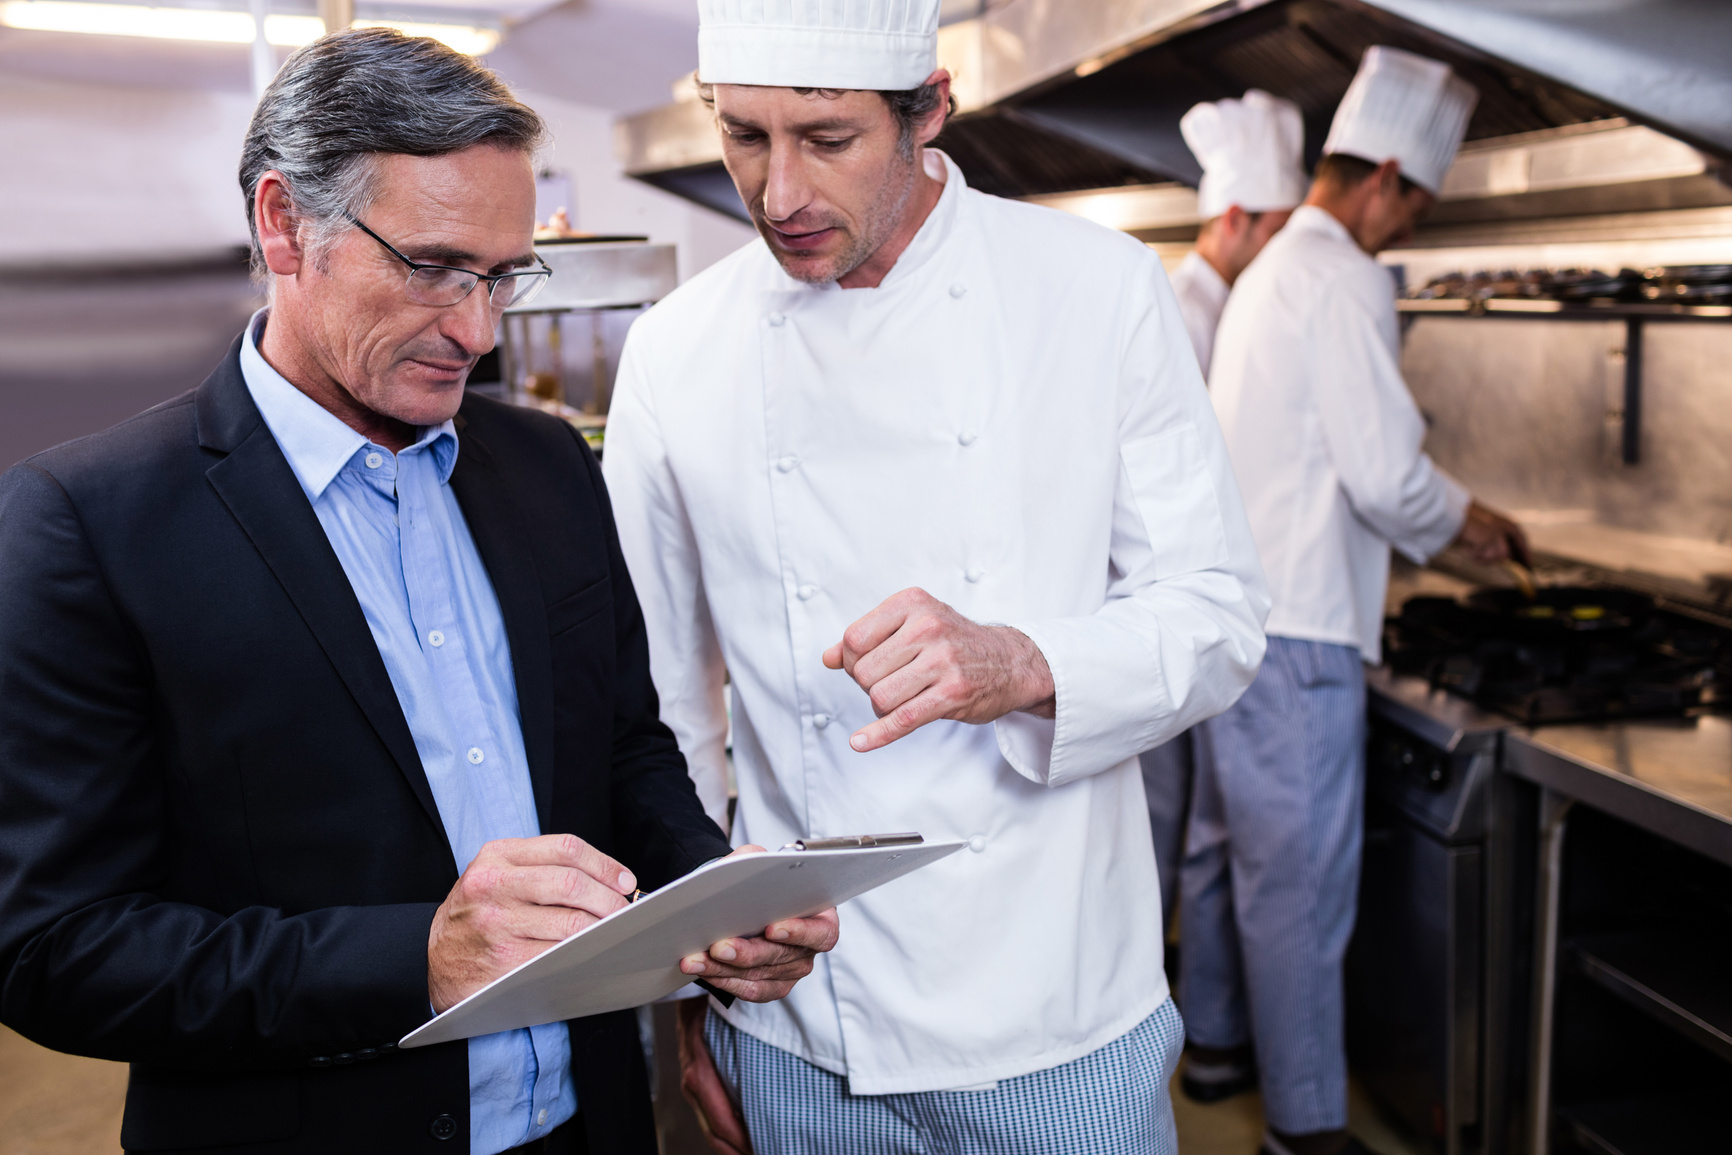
(919,661)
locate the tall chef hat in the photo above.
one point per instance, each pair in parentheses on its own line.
(886,45)
(1249,150)
(1405,108)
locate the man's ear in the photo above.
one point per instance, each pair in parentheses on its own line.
(278,225)
(1235,222)
(934,123)
(1389,178)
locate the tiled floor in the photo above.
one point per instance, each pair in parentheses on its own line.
(55,1104)
(59,1105)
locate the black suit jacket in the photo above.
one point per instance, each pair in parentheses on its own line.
(219,855)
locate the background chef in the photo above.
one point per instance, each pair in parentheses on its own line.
(1325,440)
(1252,180)
(862,403)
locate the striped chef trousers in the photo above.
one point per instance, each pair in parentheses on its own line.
(1270,882)
(1113,1100)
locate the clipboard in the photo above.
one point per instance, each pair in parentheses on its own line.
(632,956)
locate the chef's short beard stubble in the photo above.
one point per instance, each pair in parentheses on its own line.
(878,223)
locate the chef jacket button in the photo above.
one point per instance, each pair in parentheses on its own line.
(436,637)
(974,575)
(374,461)
(476,757)
(442,1127)
(343,1060)
(807,593)
(957,290)
(788,464)
(977,843)
(967,439)
(820,720)
(776,319)
(319,1061)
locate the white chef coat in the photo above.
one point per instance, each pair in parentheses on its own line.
(1007,421)
(1202,294)
(1325,437)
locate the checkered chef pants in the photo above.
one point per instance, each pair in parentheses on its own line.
(1111,1102)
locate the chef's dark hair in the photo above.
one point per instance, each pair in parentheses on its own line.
(1345,171)
(354,95)
(910,107)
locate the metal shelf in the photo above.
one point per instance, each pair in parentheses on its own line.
(1670,975)
(1653,1125)
(1634,317)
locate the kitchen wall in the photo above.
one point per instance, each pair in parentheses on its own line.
(119,287)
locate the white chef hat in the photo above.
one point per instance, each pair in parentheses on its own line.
(886,45)
(1405,108)
(1250,152)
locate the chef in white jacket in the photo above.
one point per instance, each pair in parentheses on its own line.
(932,479)
(1252,180)
(1325,440)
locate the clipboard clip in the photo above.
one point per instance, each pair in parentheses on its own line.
(855,841)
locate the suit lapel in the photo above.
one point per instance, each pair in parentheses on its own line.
(500,538)
(254,480)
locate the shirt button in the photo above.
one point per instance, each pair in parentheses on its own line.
(374,461)
(807,593)
(436,637)
(974,575)
(820,720)
(788,464)
(977,843)
(776,319)
(476,757)
(957,290)
(967,439)
(541,1117)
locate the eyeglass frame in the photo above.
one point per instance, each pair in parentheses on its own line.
(545,271)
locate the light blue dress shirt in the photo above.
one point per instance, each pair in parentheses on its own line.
(398,531)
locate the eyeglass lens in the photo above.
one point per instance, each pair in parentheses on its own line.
(439,287)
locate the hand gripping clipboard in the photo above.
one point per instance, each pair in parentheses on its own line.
(632,956)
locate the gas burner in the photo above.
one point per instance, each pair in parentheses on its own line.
(1568,654)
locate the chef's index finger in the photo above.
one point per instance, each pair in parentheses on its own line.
(927,706)
(870,631)
(565,850)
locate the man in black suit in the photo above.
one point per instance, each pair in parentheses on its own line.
(324,693)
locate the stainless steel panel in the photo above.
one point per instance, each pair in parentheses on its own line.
(1454,725)
(605,275)
(1673,779)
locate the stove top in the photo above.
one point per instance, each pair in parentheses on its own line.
(1569,654)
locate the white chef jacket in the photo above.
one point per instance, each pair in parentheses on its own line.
(1008,422)
(1325,437)
(1202,294)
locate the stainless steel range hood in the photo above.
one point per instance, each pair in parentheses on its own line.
(1616,105)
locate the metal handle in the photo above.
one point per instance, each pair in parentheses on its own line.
(855,841)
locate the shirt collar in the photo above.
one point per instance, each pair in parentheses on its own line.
(1207,274)
(1312,219)
(315,440)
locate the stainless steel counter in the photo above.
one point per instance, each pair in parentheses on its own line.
(1672,778)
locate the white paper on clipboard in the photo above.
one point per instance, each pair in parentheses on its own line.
(632,956)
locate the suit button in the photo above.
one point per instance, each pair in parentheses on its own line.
(366,1053)
(387,1048)
(343,1059)
(319,1061)
(443,1127)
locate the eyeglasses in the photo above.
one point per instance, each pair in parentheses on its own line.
(442,285)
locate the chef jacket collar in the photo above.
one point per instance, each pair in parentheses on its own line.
(1312,219)
(934,231)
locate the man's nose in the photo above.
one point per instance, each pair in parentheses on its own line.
(787,190)
(472,321)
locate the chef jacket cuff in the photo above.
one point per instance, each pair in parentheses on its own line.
(1094,726)
(1456,499)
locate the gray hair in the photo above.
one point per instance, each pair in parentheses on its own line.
(357,94)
